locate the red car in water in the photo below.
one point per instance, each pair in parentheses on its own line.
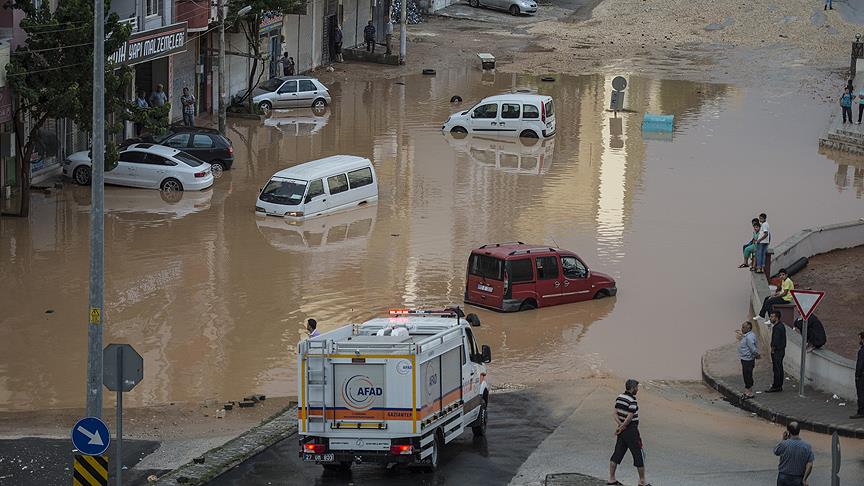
(515,276)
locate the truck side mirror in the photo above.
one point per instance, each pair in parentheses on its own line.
(473,320)
(485,354)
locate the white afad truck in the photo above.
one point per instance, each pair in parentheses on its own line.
(392,390)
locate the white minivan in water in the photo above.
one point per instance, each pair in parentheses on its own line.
(516,114)
(319,187)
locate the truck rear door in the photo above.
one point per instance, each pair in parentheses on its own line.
(485,280)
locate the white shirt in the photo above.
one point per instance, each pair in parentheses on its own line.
(764,230)
(314,333)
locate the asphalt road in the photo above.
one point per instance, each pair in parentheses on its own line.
(41,462)
(518,422)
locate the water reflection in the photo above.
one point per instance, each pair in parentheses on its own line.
(212,296)
(299,122)
(850,171)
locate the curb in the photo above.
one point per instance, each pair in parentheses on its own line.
(219,460)
(770,414)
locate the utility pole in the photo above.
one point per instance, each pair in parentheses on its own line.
(97,218)
(221,16)
(403,30)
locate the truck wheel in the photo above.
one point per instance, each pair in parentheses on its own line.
(435,458)
(479,429)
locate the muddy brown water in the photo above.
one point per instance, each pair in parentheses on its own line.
(214,298)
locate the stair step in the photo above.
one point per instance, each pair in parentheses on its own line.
(847,139)
(841,146)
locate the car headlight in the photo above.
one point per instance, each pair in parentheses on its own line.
(295,214)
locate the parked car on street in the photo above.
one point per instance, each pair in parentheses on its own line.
(148,166)
(515,276)
(207,144)
(515,7)
(289,92)
(515,114)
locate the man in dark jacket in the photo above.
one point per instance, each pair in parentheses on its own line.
(369,36)
(816,337)
(778,350)
(859,377)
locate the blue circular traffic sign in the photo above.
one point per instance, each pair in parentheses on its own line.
(90,436)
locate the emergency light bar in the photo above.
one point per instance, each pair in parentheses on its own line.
(405,312)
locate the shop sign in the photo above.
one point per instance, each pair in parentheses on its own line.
(151,44)
(270,23)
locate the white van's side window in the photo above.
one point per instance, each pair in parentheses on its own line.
(489,110)
(359,178)
(337,184)
(509,110)
(316,188)
(530,111)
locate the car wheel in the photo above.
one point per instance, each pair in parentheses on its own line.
(266,107)
(171,184)
(216,168)
(527,305)
(81,175)
(601,293)
(319,103)
(479,429)
(528,134)
(514,10)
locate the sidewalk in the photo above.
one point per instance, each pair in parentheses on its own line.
(817,411)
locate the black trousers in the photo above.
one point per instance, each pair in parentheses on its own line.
(769,304)
(629,439)
(747,371)
(859,387)
(777,366)
(787,480)
(860,111)
(847,110)
(370,46)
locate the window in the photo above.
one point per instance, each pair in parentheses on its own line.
(288,87)
(530,111)
(549,108)
(152,7)
(154,159)
(316,188)
(475,355)
(485,111)
(271,85)
(520,270)
(486,266)
(178,140)
(337,184)
(133,157)
(280,191)
(188,159)
(574,268)
(202,141)
(509,110)
(547,267)
(306,85)
(360,178)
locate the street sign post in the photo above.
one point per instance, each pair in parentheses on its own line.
(124,368)
(835,459)
(616,104)
(619,83)
(90,436)
(806,302)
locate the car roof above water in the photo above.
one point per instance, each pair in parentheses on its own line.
(520,97)
(505,250)
(327,166)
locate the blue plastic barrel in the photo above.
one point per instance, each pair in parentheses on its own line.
(657,123)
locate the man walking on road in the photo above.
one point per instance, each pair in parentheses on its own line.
(859,377)
(796,458)
(748,353)
(778,351)
(626,415)
(369,36)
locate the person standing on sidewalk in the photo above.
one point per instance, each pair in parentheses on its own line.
(337,42)
(828,5)
(369,37)
(796,458)
(846,105)
(388,34)
(188,102)
(626,413)
(783,294)
(778,351)
(763,239)
(748,353)
(859,377)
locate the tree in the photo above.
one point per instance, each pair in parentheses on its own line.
(250,23)
(51,75)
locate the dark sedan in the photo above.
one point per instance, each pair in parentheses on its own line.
(206,144)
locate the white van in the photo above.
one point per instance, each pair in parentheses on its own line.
(515,114)
(319,187)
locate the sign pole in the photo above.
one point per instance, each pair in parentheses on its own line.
(803,355)
(97,218)
(835,459)
(806,302)
(119,459)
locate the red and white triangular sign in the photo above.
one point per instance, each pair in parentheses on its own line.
(806,301)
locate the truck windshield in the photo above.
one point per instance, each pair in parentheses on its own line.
(283,192)
(486,266)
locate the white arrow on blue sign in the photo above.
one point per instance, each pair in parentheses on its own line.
(90,436)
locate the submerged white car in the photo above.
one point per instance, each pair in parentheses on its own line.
(147,166)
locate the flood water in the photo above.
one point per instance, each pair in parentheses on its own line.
(214,297)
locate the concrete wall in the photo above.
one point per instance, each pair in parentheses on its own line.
(826,370)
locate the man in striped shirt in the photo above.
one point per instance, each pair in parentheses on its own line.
(626,415)
(796,458)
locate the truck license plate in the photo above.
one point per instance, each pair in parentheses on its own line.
(484,288)
(318,457)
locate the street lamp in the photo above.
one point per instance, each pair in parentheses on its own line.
(221,16)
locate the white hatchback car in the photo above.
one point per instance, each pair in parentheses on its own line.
(516,114)
(148,166)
